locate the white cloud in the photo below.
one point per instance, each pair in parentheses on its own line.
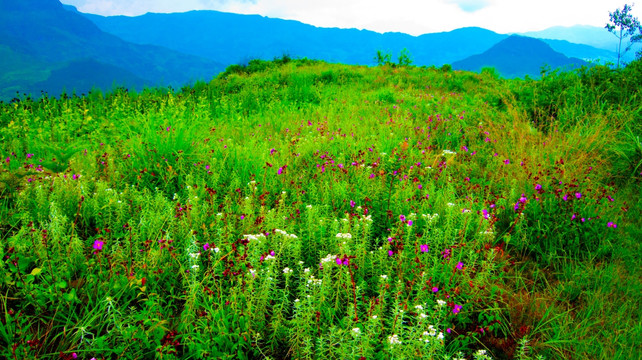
(411,16)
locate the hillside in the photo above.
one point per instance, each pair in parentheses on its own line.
(295,209)
(55,38)
(517,56)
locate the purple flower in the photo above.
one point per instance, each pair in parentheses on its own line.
(523,199)
(419,187)
(485,212)
(457,309)
(390,253)
(573,217)
(446,253)
(424,248)
(435,289)
(280,171)
(74,176)
(29,156)
(206,246)
(402,218)
(352,203)
(272,252)
(372,176)
(409,222)
(538,187)
(98,245)
(611,224)
(460,265)
(506,161)
(565,197)
(578,195)
(272,151)
(338,260)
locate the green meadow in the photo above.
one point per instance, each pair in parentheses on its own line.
(295,209)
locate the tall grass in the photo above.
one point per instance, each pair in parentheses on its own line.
(297,209)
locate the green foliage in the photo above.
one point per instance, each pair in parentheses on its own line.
(297,209)
(624,25)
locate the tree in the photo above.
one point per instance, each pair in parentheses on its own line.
(623,25)
(382,58)
(404,58)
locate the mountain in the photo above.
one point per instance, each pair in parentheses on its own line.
(43,40)
(233,38)
(517,56)
(594,36)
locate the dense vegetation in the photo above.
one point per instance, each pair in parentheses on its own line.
(298,209)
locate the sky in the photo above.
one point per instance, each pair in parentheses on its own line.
(413,17)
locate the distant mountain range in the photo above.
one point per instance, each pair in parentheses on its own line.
(47,46)
(517,56)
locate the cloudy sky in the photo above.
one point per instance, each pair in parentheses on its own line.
(410,16)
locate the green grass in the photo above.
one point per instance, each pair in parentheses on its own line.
(298,209)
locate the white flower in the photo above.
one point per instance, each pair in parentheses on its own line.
(384,276)
(194,255)
(306,270)
(216,249)
(423,316)
(195,267)
(374,317)
(419,307)
(440,336)
(357,331)
(441,303)
(309,206)
(450,204)
(287,270)
(394,339)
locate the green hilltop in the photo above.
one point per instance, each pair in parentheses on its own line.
(295,209)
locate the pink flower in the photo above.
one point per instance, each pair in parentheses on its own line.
(578,195)
(390,253)
(352,203)
(460,265)
(206,246)
(424,248)
(409,222)
(98,245)
(402,218)
(435,289)
(457,309)
(611,224)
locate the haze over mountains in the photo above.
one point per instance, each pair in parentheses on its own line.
(45,45)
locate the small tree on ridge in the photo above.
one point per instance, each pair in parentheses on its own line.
(622,24)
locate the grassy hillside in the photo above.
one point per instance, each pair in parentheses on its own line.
(299,209)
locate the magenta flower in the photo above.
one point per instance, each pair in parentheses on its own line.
(272,151)
(611,224)
(74,176)
(280,171)
(419,187)
(578,195)
(457,309)
(389,239)
(573,217)
(29,156)
(390,253)
(506,161)
(485,212)
(402,218)
(206,246)
(460,265)
(424,248)
(446,253)
(372,176)
(338,260)
(409,222)
(98,245)
(272,252)
(565,197)
(538,187)
(352,203)
(435,289)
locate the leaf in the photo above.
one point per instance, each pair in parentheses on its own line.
(36,271)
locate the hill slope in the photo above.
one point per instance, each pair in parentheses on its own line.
(53,37)
(517,56)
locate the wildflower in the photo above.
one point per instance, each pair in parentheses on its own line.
(372,176)
(538,187)
(409,222)
(424,248)
(573,217)
(457,308)
(98,245)
(390,253)
(460,265)
(384,276)
(611,224)
(356,331)
(206,246)
(419,307)
(578,195)
(402,218)
(435,289)
(394,339)
(446,253)
(287,270)
(74,176)
(195,267)
(565,197)
(485,212)
(352,203)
